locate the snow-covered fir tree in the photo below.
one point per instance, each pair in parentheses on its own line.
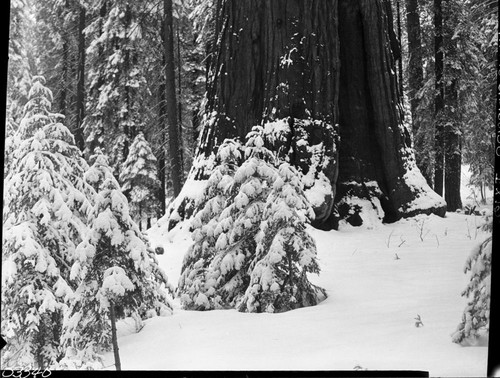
(229,241)
(139,180)
(239,223)
(116,79)
(116,268)
(286,252)
(476,315)
(220,187)
(45,211)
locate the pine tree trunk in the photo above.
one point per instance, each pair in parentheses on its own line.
(80,86)
(179,101)
(162,117)
(452,132)
(170,96)
(415,78)
(319,60)
(439,98)
(453,165)
(114,338)
(64,77)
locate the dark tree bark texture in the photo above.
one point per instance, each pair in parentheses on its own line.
(374,145)
(451,129)
(415,63)
(453,156)
(316,64)
(415,78)
(171,101)
(400,36)
(80,85)
(439,98)
(114,338)
(277,60)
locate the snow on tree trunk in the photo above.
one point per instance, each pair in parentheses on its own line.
(314,64)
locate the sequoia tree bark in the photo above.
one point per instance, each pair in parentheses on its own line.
(315,64)
(376,160)
(277,60)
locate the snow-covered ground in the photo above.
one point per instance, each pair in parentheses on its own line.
(378,280)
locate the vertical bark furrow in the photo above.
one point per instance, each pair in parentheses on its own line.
(315,64)
(374,143)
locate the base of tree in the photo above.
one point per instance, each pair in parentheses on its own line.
(357,202)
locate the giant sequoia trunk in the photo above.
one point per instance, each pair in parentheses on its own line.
(376,160)
(278,60)
(316,65)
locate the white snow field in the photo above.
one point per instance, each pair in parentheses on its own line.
(378,280)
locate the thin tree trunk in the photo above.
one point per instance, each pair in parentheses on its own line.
(80,87)
(64,77)
(453,153)
(452,132)
(179,99)
(170,96)
(415,79)
(162,117)
(114,338)
(439,98)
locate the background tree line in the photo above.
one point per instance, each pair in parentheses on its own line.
(122,68)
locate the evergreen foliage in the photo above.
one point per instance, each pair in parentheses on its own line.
(235,227)
(286,252)
(46,204)
(193,285)
(476,316)
(139,179)
(470,46)
(115,267)
(20,60)
(115,78)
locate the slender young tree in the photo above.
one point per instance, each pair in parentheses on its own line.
(45,215)
(118,273)
(139,181)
